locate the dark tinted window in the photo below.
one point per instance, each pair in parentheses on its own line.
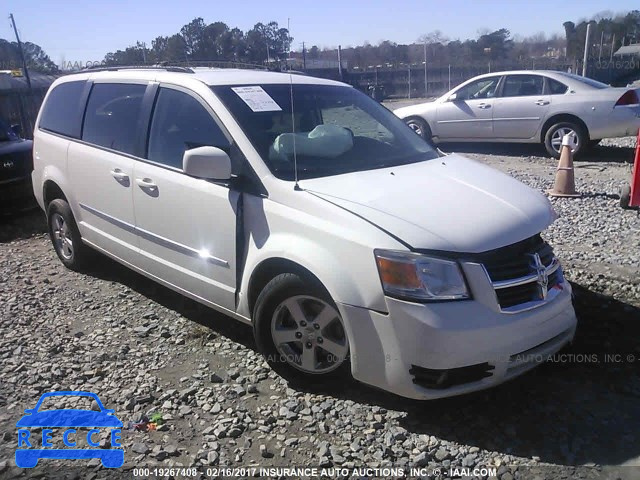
(555,87)
(112,115)
(522,85)
(587,81)
(179,123)
(61,114)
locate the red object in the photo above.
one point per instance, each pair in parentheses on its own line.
(630,97)
(634,199)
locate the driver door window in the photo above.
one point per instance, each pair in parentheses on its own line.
(483,88)
(180,123)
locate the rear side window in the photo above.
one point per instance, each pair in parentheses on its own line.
(61,113)
(111,119)
(555,87)
(522,85)
(180,122)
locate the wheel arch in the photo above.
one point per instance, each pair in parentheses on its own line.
(50,191)
(562,117)
(270,268)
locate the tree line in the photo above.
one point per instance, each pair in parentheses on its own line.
(608,33)
(270,44)
(197,41)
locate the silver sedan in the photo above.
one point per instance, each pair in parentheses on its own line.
(528,107)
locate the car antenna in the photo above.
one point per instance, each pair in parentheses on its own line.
(293,131)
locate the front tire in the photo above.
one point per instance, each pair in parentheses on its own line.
(420,127)
(65,236)
(300,332)
(554,135)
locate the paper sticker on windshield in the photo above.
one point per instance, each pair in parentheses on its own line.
(257,99)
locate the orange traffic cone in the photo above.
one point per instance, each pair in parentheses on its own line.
(565,185)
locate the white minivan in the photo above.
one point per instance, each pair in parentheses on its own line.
(306,209)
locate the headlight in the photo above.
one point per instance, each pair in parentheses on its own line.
(418,277)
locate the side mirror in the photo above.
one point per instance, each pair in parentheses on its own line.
(211,163)
(453,97)
(17,129)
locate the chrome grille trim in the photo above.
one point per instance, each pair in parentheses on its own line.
(555,264)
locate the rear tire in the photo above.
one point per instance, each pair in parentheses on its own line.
(65,236)
(300,332)
(553,138)
(420,127)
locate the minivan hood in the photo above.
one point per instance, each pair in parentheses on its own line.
(450,203)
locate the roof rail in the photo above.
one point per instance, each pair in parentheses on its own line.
(222,64)
(138,67)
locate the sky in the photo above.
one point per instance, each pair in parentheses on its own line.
(84,31)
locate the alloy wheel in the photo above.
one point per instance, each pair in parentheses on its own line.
(310,335)
(558,135)
(62,236)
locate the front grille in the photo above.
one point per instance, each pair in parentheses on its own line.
(17,163)
(514,261)
(515,277)
(527,292)
(441,379)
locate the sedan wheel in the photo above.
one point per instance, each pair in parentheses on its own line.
(555,134)
(421,127)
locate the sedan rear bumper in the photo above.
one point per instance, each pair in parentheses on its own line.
(621,122)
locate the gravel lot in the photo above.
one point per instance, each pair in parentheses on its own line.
(145,349)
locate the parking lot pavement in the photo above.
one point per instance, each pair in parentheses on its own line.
(144,349)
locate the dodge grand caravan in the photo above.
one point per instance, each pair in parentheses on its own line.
(306,209)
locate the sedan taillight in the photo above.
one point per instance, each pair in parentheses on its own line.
(629,97)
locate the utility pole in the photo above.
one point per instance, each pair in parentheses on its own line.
(304,57)
(409,81)
(24,62)
(586,50)
(613,42)
(144,53)
(601,40)
(426,89)
(340,61)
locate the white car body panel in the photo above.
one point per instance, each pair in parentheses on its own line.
(183,235)
(456,204)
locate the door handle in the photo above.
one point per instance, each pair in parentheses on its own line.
(146,183)
(484,105)
(542,102)
(119,175)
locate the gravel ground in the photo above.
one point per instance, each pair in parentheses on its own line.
(145,350)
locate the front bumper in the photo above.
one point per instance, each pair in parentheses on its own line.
(393,351)
(16,195)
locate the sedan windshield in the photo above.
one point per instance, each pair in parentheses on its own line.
(331,130)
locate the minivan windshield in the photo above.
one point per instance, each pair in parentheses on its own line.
(332,129)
